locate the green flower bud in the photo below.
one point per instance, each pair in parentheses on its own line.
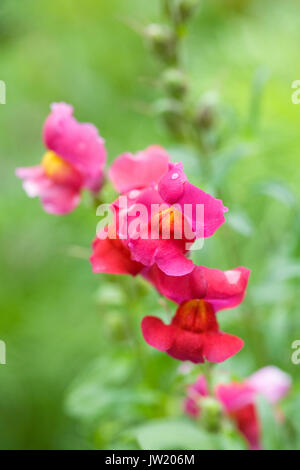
(184,9)
(115,324)
(211,413)
(205,114)
(172,113)
(162,41)
(174,82)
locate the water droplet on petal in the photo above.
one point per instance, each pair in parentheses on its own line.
(175,176)
(134,193)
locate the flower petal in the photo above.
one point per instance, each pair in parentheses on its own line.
(56,198)
(167,254)
(271,382)
(225,289)
(222,289)
(235,395)
(220,346)
(139,171)
(157,334)
(77,143)
(247,422)
(111,256)
(191,286)
(204,212)
(187,346)
(59,199)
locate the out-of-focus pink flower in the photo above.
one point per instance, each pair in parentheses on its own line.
(75,159)
(238,399)
(163,220)
(194,393)
(193,334)
(222,289)
(271,382)
(129,172)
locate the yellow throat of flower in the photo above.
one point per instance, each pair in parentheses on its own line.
(56,168)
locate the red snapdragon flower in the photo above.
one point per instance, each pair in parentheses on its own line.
(194,332)
(238,399)
(74,160)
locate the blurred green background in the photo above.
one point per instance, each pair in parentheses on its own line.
(78,373)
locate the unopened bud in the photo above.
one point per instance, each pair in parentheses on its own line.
(211,413)
(162,41)
(172,112)
(184,9)
(205,115)
(116,325)
(174,82)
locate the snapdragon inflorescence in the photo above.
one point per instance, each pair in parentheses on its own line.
(75,159)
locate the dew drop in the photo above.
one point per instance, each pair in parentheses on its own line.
(133,194)
(174,176)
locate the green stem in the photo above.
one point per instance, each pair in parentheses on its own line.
(207,371)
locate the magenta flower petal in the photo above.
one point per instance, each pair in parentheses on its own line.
(176,190)
(238,400)
(157,334)
(167,254)
(139,171)
(77,143)
(222,289)
(225,289)
(219,346)
(200,386)
(194,392)
(190,286)
(187,346)
(235,395)
(111,256)
(191,408)
(58,199)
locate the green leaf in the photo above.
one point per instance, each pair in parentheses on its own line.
(102,386)
(270,428)
(278,191)
(240,222)
(270,292)
(163,434)
(260,79)
(223,163)
(234,441)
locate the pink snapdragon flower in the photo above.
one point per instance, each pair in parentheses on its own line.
(194,334)
(74,160)
(160,213)
(238,399)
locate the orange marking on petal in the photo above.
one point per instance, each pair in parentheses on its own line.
(197,316)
